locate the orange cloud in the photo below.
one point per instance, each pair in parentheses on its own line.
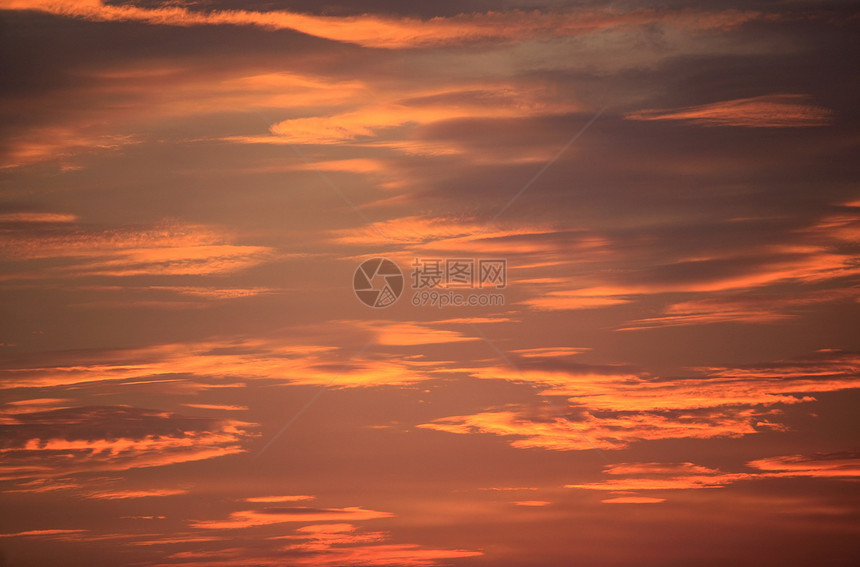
(214,360)
(212,292)
(404,334)
(662,476)
(170,93)
(394,555)
(633,500)
(218,407)
(818,253)
(688,476)
(549,352)
(621,408)
(170,539)
(327,529)
(266,516)
(275,90)
(833,465)
(40,485)
(126,494)
(579,299)
(43,533)
(399,555)
(167,249)
(337,541)
(559,434)
(391,33)
(799,265)
(52,443)
(532,503)
(762,385)
(61,143)
(465,101)
(26,406)
(270,499)
(739,309)
(524,247)
(30,217)
(321,537)
(770,111)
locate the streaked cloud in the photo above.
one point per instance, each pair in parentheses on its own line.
(33,217)
(405,334)
(384,32)
(688,476)
(217,407)
(270,499)
(417,109)
(406,555)
(126,494)
(266,516)
(580,299)
(617,409)
(41,485)
(601,389)
(42,533)
(545,352)
(530,431)
(732,283)
(769,111)
(168,249)
(335,536)
(58,442)
(61,143)
(321,537)
(633,500)
(236,359)
(399,555)
(826,465)
(747,308)
(662,476)
(175,268)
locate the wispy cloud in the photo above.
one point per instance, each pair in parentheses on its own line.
(825,465)
(42,533)
(632,477)
(386,32)
(53,443)
(616,409)
(233,359)
(769,111)
(271,499)
(168,249)
(530,431)
(404,334)
(602,389)
(266,516)
(126,494)
(748,308)
(61,143)
(662,476)
(393,555)
(633,500)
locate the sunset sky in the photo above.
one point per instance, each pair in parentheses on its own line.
(669,376)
